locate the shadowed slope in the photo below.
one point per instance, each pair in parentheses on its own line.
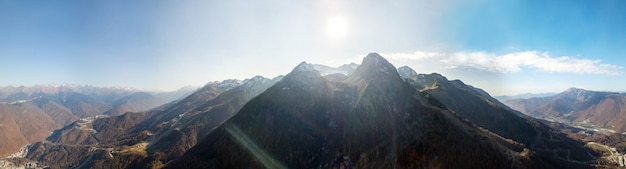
(371,119)
(480,108)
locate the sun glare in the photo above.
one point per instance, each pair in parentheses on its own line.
(337,27)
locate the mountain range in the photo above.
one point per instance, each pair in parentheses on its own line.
(368,115)
(30,114)
(601,111)
(523,96)
(169,129)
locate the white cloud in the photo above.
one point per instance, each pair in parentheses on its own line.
(419,55)
(541,61)
(406,58)
(507,63)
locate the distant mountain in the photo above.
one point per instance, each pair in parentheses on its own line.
(524,96)
(604,111)
(371,118)
(30,114)
(176,94)
(343,69)
(103,94)
(135,102)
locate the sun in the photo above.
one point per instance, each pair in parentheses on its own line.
(337,27)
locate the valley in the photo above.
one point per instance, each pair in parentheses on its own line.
(588,116)
(31,114)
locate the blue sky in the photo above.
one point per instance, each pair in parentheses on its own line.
(504,47)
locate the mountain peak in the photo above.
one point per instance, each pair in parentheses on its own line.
(224,84)
(304,73)
(579,91)
(374,65)
(255,80)
(305,70)
(375,58)
(406,72)
(575,90)
(352,65)
(304,67)
(582,95)
(327,70)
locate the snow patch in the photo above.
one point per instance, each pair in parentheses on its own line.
(303,67)
(327,70)
(21,101)
(406,72)
(84,123)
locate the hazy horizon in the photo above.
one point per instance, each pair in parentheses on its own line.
(505,48)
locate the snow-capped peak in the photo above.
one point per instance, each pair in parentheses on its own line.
(327,70)
(374,63)
(303,67)
(225,84)
(375,58)
(255,80)
(406,72)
